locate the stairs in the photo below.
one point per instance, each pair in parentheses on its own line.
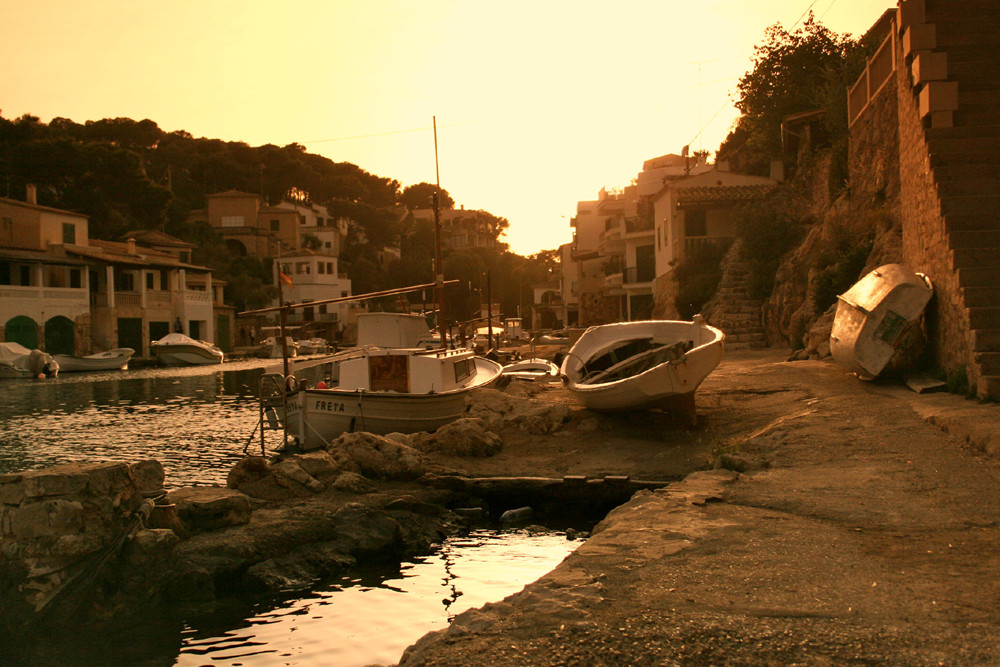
(963,141)
(732,309)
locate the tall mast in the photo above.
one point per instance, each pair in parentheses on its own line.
(438,268)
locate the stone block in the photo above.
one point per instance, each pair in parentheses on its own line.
(919,37)
(910,12)
(149,477)
(938,96)
(929,66)
(204,508)
(46,518)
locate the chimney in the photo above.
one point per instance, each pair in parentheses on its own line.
(31,194)
(131,246)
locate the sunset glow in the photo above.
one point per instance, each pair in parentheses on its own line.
(538,104)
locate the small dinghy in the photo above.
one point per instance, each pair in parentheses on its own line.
(110,360)
(873,316)
(642,365)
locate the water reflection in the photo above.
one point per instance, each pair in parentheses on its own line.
(194,420)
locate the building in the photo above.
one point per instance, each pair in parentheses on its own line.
(314,276)
(460,229)
(69,294)
(248,227)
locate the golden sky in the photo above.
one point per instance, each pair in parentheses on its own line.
(539,103)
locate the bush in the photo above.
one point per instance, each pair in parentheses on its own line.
(768,230)
(698,276)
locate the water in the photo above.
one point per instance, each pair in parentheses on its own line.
(196,422)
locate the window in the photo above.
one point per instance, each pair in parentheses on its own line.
(329,268)
(463,368)
(275,225)
(68,232)
(322,268)
(25,275)
(75,278)
(124,281)
(232,221)
(164,281)
(695,223)
(149,280)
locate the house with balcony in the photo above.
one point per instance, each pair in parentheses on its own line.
(315,276)
(315,222)
(66,293)
(460,229)
(248,226)
(695,211)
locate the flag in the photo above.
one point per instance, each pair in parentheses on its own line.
(284,277)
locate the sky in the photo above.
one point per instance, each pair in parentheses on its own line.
(538,103)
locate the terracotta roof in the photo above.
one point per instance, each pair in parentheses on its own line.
(37,207)
(710,193)
(113,252)
(156,237)
(233,193)
(32,255)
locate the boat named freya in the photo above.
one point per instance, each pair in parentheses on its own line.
(176,349)
(642,365)
(874,315)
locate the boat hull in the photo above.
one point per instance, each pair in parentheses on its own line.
(664,376)
(186,355)
(873,316)
(112,360)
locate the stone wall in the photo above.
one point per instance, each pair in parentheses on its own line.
(925,241)
(873,155)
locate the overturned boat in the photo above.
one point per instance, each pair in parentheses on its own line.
(642,365)
(873,316)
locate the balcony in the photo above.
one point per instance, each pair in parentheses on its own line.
(639,223)
(642,274)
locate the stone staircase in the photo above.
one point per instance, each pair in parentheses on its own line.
(732,309)
(957,83)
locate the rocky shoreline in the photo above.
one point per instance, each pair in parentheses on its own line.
(780,446)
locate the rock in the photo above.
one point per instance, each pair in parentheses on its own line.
(352,482)
(151,547)
(322,466)
(149,477)
(379,457)
(287,473)
(468,436)
(499,409)
(203,508)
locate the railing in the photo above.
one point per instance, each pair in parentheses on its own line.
(877,73)
(128,300)
(639,223)
(197,296)
(690,244)
(155,299)
(19,292)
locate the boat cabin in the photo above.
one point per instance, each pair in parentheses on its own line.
(408,371)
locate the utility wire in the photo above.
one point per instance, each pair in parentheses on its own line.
(381,134)
(804,14)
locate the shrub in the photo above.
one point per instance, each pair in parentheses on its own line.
(768,230)
(698,276)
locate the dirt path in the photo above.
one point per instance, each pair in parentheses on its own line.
(863,531)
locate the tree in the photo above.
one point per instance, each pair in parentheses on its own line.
(421,196)
(792,72)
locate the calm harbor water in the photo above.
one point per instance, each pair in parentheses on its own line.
(196,421)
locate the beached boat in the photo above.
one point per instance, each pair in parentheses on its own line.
(532,369)
(641,365)
(313,346)
(110,360)
(381,390)
(176,349)
(873,316)
(17,361)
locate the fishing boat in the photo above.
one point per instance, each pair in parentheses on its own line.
(110,360)
(532,369)
(396,330)
(380,390)
(308,346)
(873,316)
(176,349)
(17,361)
(642,365)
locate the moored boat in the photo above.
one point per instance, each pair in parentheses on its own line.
(381,390)
(874,315)
(532,369)
(110,360)
(642,365)
(17,361)
(176,349)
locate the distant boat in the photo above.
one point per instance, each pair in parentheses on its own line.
(641,365)
(532,369)
(110,360)
(873,315)
(17,361)
(176,349)
(313,346)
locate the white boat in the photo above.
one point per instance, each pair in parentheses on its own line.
(313,346)
(396,330)
(532,369)
(111,360)
(176,349)
(17,361)
(641,365)
(381,390)
(874,314)
(270,348)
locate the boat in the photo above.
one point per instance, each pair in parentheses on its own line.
(532,369)
(873,316)
(110,360)
(308,346)
(176,349)
(380,390)
(17,361)
(642,365)
(270,348)
(396,330)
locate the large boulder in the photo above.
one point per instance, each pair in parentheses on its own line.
(379,457)
(203,508)
(468,436)
(499,409)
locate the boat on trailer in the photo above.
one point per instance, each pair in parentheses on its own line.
(874,315)
(642,365)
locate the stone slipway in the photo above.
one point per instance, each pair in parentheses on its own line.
(862,530)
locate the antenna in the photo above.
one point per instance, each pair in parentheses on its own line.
(699,63)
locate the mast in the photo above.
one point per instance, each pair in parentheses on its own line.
(438,268)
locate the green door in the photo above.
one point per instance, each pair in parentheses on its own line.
(59,336)
(23,330)
(222,336)
(130,332)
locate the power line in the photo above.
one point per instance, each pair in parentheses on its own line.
(381,134)
(804,14)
